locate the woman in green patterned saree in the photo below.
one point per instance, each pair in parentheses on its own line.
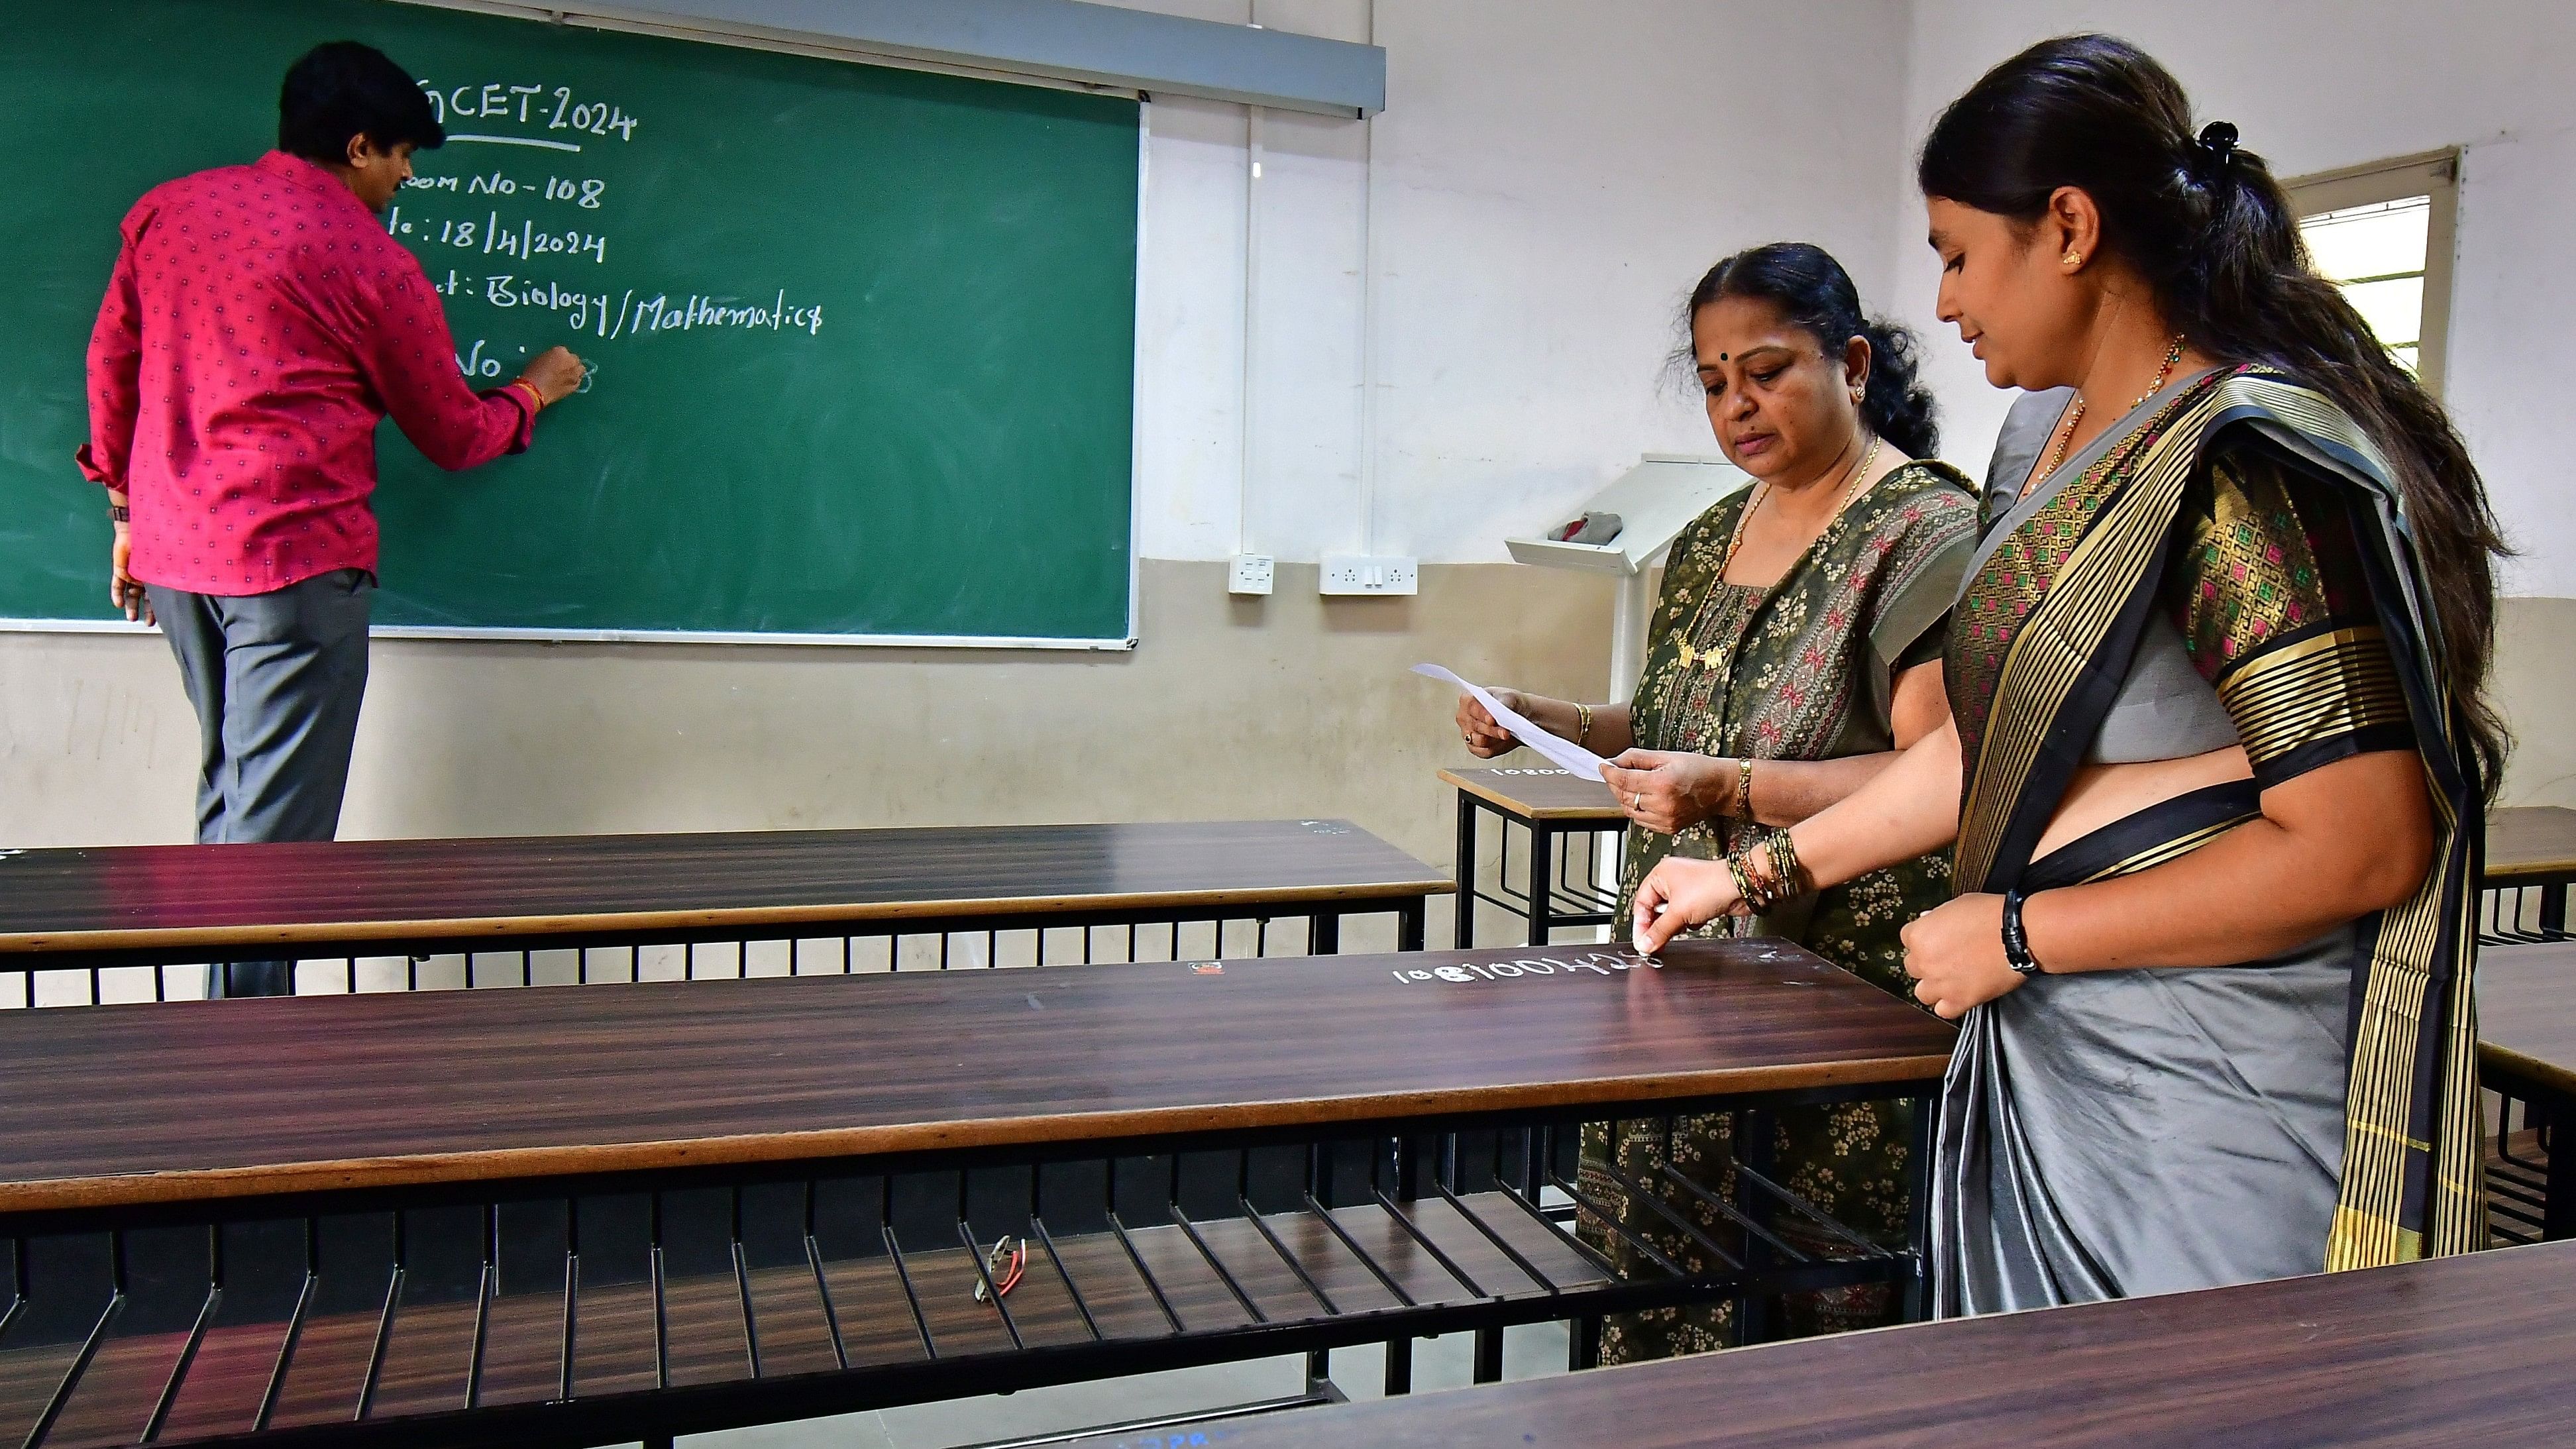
(1796,647)
(2219,751)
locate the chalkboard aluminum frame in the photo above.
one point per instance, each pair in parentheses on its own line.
(1135,430)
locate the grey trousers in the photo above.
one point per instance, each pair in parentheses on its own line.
(277,680)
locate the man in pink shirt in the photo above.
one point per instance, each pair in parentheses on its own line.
(258,325)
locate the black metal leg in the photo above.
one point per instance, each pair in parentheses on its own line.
(1412,923)
(2553,908)
(1917,1284)
(1399,1367)
(1583,1344)
(1319,1369)
(1324,934)
(1541,880)
(1489,1355)
(1466,932)
(2558,1213)
(1753,1311)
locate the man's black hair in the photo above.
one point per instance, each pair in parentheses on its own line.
(342,89)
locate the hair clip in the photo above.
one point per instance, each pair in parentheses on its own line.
(2217,148)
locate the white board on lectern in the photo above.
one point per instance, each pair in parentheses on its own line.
(1655,501)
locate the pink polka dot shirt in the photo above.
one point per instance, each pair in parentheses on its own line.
(258,325)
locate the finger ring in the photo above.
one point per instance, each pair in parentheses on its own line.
(1636,802)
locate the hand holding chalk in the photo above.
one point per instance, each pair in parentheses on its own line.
(1679,894)
(1643,947)
(555,373)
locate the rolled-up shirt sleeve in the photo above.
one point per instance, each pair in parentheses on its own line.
(115,367)
(410,360)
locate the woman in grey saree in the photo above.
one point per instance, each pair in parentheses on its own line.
(2217,756)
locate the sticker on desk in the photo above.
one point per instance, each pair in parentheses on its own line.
(1562,774)
(1571,965)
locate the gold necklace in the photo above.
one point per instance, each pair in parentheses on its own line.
(1690,654)
(2075,414)
(1735,539)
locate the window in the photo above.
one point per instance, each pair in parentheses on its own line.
(2383,233)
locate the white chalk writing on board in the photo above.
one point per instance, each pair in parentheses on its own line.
(537,221)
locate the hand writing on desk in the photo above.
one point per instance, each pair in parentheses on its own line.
(1679,894)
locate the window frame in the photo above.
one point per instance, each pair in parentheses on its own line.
(2434,174)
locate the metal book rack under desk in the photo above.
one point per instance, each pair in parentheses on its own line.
(668,1304)
(571,1217)
(1559,884)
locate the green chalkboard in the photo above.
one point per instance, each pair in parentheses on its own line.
(864,337)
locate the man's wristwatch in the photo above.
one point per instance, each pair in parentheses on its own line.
(120,513)
(2016,940)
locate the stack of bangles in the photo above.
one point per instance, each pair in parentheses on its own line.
(1760,890)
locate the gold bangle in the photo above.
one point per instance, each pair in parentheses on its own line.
(536,399)
(1745,891)
(1582,722)
(1784,860)
(1744,788)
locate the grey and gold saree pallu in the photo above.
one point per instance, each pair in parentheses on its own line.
(2115,1133)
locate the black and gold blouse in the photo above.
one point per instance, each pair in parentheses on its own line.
(2267,590)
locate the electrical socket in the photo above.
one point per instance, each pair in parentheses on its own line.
(1250,574)
(1370,575)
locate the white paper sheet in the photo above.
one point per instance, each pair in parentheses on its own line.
(1563,753)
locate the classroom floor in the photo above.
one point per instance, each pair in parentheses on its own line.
(1044,1416)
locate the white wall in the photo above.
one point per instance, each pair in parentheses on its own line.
(2314,85)
(1550,178)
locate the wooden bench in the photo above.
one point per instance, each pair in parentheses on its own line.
(818,900)
(2467,1350)
(566,1217)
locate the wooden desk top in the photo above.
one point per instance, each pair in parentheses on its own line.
(178,896)
(2530,842)
(2469,1350)
(125,1104)
(1538,792)
(2527,1012)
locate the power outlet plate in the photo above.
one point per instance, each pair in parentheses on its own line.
(1250,574)
(1377,575)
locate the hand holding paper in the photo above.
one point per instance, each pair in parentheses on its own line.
(1563,753)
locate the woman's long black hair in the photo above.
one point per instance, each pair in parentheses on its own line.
(1815,294)
(2207,225)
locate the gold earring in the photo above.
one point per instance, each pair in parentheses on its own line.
(2073,258)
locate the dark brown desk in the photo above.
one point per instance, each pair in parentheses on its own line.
(1551,807)
(2527,1052)
(649,1209)
(147,905)
(2530,847)
(2471,1350)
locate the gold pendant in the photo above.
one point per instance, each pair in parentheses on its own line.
(1690,656)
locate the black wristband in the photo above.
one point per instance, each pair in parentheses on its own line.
(119,513)
(2016,940)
